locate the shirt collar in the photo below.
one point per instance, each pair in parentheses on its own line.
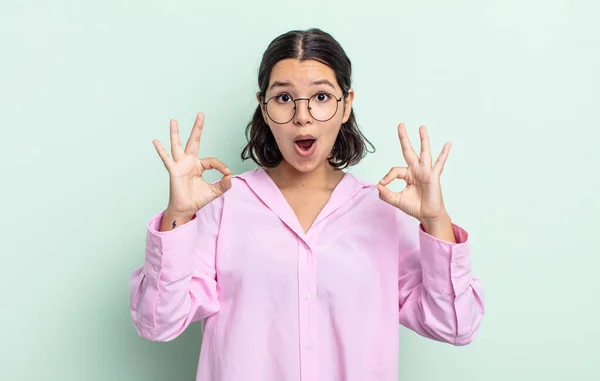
(265,188)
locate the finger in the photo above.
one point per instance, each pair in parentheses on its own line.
(192,147)
(394,173)
(407,150)
(214,163)
(387,195)
(441,160)
(222,186)
(164,155)
(176,149)
(425,149)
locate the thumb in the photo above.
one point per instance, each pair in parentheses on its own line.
(385,194)
(222,185)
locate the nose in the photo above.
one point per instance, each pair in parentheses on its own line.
(302,116)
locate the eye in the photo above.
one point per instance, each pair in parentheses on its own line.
(322,97)
(283,98)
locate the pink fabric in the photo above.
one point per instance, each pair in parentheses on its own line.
(280,304)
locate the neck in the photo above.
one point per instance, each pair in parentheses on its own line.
(323,177)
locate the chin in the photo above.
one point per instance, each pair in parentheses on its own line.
(307,166)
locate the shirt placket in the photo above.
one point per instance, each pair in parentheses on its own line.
(307,310)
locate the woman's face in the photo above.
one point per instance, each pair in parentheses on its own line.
(304,142)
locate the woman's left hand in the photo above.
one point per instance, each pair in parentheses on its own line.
(422,197)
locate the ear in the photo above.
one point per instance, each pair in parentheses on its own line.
(348,105)
(262,108)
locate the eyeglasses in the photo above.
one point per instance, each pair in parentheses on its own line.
(322,106)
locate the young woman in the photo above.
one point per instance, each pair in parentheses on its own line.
(299,270)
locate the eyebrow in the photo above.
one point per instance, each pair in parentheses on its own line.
(289,84)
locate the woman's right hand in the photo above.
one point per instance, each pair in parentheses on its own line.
(188,190)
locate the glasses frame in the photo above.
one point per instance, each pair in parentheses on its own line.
(337,104)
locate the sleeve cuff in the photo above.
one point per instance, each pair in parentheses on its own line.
(170,254)
(446,265)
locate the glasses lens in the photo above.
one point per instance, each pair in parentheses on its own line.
(281,108)
(323,106)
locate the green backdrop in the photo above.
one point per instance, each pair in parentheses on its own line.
(86,85)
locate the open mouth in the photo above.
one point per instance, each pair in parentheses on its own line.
(305,144)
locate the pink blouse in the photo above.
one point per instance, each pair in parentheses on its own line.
(278,304)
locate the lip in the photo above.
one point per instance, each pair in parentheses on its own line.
(304,137)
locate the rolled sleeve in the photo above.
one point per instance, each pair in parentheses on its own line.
(446,265)
(169,254)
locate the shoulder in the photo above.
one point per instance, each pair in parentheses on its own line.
(239,188)
(367,198)
(370,196)
(245,176)
(359,180)
(245,187)
(242,183)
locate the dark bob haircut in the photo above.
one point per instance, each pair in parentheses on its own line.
(350,145)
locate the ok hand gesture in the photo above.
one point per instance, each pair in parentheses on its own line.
(422,197)
(188,190)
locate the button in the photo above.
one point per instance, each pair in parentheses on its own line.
(308,347)
(307,296)
(155,268)
(156,249)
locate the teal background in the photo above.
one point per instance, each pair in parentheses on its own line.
(86,85)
